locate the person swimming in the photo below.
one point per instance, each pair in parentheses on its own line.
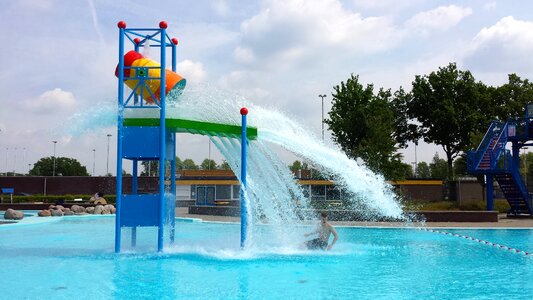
(324,231)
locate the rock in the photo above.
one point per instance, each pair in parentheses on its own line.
(89,210)
(60,207)
(52,207)
(45,213)
(106,211)
(113,210)
(98,209)
(57,213)
(64,209)
(68,213)
(12,214)
(77,209)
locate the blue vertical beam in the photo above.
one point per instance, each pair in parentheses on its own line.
(490,192)
(122,27)
(162,137)
(244,213)
(135,96)
(173,165)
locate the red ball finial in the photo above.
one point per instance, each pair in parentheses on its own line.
(175,41)
(137,41)
(121,24)
(163,24)
(244,111)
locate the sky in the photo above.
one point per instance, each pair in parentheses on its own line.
(58,60)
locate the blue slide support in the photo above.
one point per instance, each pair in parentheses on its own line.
(244,213)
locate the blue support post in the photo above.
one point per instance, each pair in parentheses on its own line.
(162,148)
(490,192)
(120,123)
(173,166)
(244,213)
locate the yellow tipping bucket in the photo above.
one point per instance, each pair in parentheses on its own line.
(145,67)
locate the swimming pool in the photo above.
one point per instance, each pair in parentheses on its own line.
(72,257)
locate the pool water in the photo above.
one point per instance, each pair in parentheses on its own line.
(73,258)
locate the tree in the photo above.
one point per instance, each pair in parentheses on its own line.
(208,164)
(447,106)
(189,164)
(179,164)
(224,165)
(64,166)
(438,168)
(459,166)
(363,124)
(296,165)
(510,99)
(150,168)
(422,170)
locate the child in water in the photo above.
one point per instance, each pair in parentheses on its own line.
(324,231)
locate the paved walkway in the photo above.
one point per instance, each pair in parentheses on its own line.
(503,222)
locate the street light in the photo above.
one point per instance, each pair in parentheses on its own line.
(414,168)
(29,169)
(322,121)
(54,170)
(94,159)
(107,168)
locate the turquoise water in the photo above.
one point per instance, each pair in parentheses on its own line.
(72,258)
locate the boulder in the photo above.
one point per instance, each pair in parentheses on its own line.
(106,211)
(68,213)
(52,207)
(98,209)
(44,213)
(77,209)
(12,214)
(57,213)
(89,210)
(113,210)
(64,209)
(60,207)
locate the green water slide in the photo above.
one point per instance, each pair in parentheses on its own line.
(195,127)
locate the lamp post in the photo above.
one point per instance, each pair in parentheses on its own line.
(94,159)
(322,120)
(107,164)
(54,169)
(414,168)
(15,166)
(29,169)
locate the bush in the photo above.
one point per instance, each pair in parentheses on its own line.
(111,199)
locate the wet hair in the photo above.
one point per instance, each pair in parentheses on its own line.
(324,214)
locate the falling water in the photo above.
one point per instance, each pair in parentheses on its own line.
(272,193)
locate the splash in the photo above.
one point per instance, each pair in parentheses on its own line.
(273,195)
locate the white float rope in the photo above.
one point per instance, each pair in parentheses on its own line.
(498,246)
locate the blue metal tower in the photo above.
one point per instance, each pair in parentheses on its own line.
(148,83)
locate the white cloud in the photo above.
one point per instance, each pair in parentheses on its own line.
(192,71)
(285,32)
(440,18)
(506,47)
(243,55)
(220,7)
(55,99)
(490,6)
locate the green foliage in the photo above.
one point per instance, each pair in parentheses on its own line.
(224,165)
(422,170)
(363,124)
(296,165)
(189,164)
(150,168)
(64,166)
(446,105)
(438,167)
(459,166)
(208,164)
(510,99)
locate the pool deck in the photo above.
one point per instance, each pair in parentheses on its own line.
(503,222)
